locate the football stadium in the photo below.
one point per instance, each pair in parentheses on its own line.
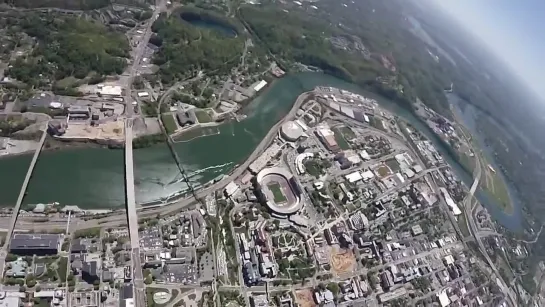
(280,190)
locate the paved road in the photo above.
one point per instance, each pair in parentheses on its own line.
(133,69)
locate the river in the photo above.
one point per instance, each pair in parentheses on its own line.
(93,178)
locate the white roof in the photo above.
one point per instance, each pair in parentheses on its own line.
(324,130)
(449,259)
(367,175)
(443,298)
(453,206)
(44,294)
(299,161)
(260,85)
(110,90)
(355,159)
(143,94)
(55,105)
(364,155)
(231,188)
(353,177)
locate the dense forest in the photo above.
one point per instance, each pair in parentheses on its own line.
(67,46)
(303,36)
(186,49)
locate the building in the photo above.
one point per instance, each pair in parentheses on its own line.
(231,189)
(299,162)
(416,230)
(450,202)
(327,137)
(90,272)
(392,295)
(17,268)
(9,300)
(186,118)
(126,298)
(260,85)
(443,298)
(109,90)
(197,224)
(284,300)
(290,131)
(260,300)
(79,112)
(324,297)
(387,279)
(354,177)
(35,244)
(359,221)
(78,247)
(55,105)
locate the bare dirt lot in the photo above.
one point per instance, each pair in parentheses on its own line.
(342,261)
(305,298)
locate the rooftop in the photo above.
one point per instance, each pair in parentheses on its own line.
(34,241)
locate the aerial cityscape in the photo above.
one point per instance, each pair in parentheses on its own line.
(263,153)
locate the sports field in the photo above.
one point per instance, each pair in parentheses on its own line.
(277,193)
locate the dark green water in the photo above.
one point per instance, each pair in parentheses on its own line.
(93,178)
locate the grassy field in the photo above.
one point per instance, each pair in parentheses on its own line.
(347,133)
(169,122)
(278,195)
(203,116)
(339,138)
(393,165)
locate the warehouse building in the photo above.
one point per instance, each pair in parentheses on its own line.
(35,244)
(327,137)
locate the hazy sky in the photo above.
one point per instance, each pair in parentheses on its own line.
(514,29)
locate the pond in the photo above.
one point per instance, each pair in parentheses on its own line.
(209,23)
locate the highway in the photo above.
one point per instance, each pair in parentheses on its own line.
(22,192)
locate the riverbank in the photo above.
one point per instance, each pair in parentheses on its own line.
(94,178)
(492,181)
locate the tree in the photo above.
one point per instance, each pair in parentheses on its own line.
(148,280)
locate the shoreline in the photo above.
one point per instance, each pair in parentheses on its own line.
(236,171)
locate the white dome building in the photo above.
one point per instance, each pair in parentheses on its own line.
(291,131)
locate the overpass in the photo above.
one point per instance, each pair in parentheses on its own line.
(22,193)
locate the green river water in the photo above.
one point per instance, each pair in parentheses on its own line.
(94,178)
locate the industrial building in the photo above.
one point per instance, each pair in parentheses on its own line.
(35,244)
(109,90)
(327,137)
(79,112)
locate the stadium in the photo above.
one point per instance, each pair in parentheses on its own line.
(280,191)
